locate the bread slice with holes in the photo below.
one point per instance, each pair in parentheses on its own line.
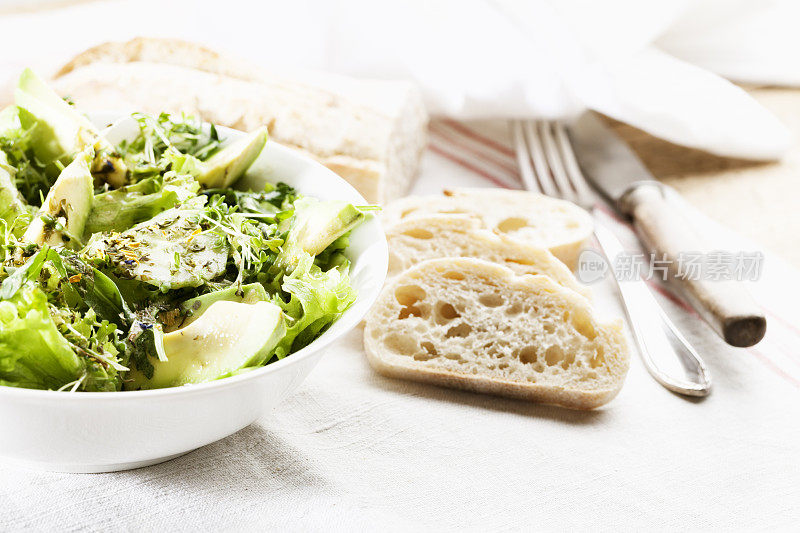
(525,217)
(418,239)
(471,324)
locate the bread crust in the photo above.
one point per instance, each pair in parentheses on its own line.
(161,50)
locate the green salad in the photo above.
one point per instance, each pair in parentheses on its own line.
(137,266)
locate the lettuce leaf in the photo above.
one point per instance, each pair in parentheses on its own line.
(51,336)
(18,136)
(29,271)
(12,205)
(316,300)
(98,345)
(95,291)
(120,209)
(33,354)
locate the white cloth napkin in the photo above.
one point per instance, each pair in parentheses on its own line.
(351,450)
(487,58)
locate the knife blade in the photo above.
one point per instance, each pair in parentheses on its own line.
(614,170)
(606,160)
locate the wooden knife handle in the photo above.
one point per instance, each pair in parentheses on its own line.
(725,304)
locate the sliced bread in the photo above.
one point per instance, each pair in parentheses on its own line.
(474,325)
(526,217)
(371,133)
(418,239)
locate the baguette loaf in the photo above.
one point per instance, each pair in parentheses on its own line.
(525,217)
(371,133)
(417,239)
(474,325)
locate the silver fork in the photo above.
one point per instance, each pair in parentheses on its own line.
(548,166)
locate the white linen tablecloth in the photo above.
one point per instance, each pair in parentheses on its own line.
(351,450)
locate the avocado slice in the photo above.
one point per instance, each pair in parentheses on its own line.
(227,337)
(11,203)
(169,251)
(59,131)
(248,294)
(67,204)
(316,224)
(228,165)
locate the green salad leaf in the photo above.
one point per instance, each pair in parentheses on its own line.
(33,177)
(317,299)
(12,205)
(98,292)
(19,276)
(119,209)
(35,354)
(97,342)
(144,155)
(273,200)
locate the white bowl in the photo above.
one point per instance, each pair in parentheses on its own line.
(107,431)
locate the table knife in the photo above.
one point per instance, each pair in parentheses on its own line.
(612,167)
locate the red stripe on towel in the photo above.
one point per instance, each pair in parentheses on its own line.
(461,128)
(469,166)
(788,325)
(485,155)
(775,368)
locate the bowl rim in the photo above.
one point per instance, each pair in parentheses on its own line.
(342,327)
